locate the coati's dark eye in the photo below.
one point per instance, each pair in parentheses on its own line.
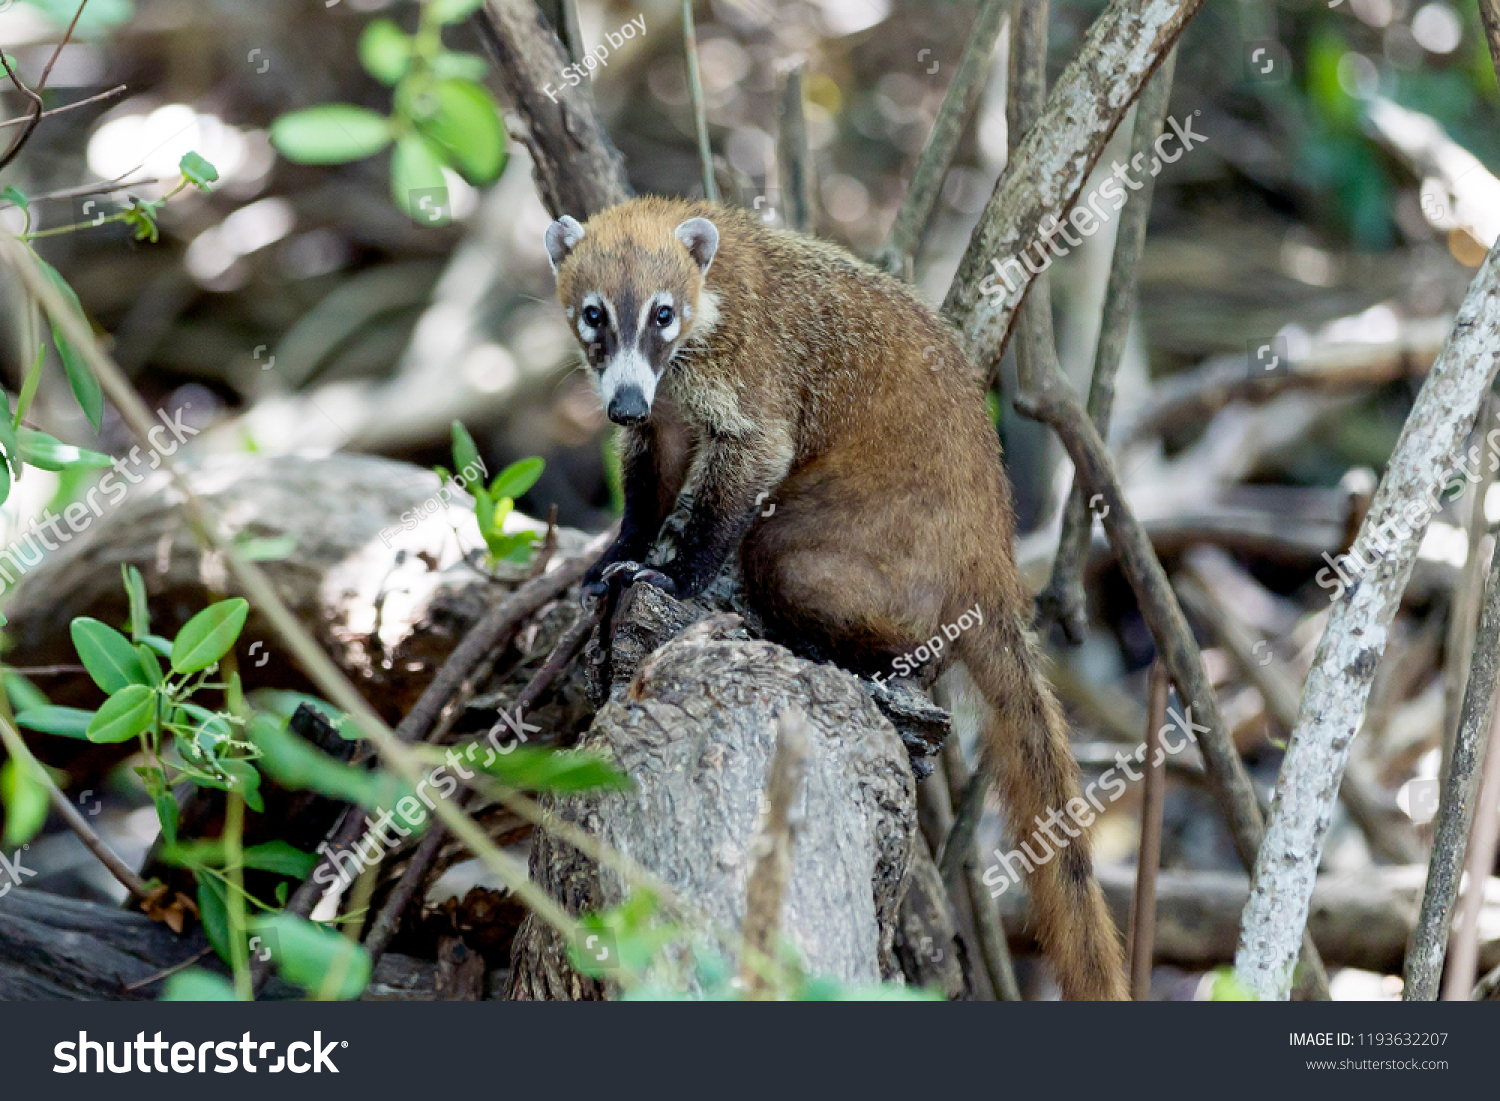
(593,316)
(664,316)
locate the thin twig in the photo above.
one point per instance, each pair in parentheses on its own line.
(34,94)
(416,869)
(989,927)
(773,848)
(1063,601)
(700,109)
(896,255)
(118,89)
(167,973)
(20,752)
(1463,946)
(793,159)
(1142,935)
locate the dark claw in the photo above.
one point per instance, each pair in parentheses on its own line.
(656,579)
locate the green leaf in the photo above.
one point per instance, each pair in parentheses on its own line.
(451,11)
(454,65)
(317,959)
(25,797)
(214,910)
(108,655)
(46,453)
(197,170)
(465,454)
(65,722)
(9,440)
(149,664)
(141,217)
(246,779)
(385,51)
(271,548)
(532,769)
(333,133)
(124,715)
(140,614)
(295,763)
(197,985)
(28,391)
(207,637)
(23,694)
(80,375)
(15,195)
(465,124)
(161,645)
(517,478)
(280,858)
(417,183)
(166,812)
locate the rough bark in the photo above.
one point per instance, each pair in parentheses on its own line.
(1338,686)
(577,168)
(694,727)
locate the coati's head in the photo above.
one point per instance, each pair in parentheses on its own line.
(631,283)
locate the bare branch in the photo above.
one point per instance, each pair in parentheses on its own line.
(1359,622)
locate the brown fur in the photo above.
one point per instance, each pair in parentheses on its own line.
(836,390)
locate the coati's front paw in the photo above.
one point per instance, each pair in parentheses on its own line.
(625,574)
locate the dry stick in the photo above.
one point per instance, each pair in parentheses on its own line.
(1142,936)
(900,247)
(110,94)
(482,638)
(1063,601)
(773,847)
(411,876)
(1359,623)
(1054,159)
(1059,407)
(315,664)
(793,162)
(1455,816)
(1463,615)
(989,928)
(1282,692)
(700,109)
(1463,949)
(20,752)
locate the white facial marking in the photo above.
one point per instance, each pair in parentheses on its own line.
(648,316)
(629,369)
(588,332)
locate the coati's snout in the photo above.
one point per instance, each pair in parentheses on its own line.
(634,298)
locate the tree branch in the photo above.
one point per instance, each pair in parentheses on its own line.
(1338,686)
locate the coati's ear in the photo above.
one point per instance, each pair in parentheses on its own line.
(702,240)
(561,237)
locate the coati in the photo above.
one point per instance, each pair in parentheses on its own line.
(830,426)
